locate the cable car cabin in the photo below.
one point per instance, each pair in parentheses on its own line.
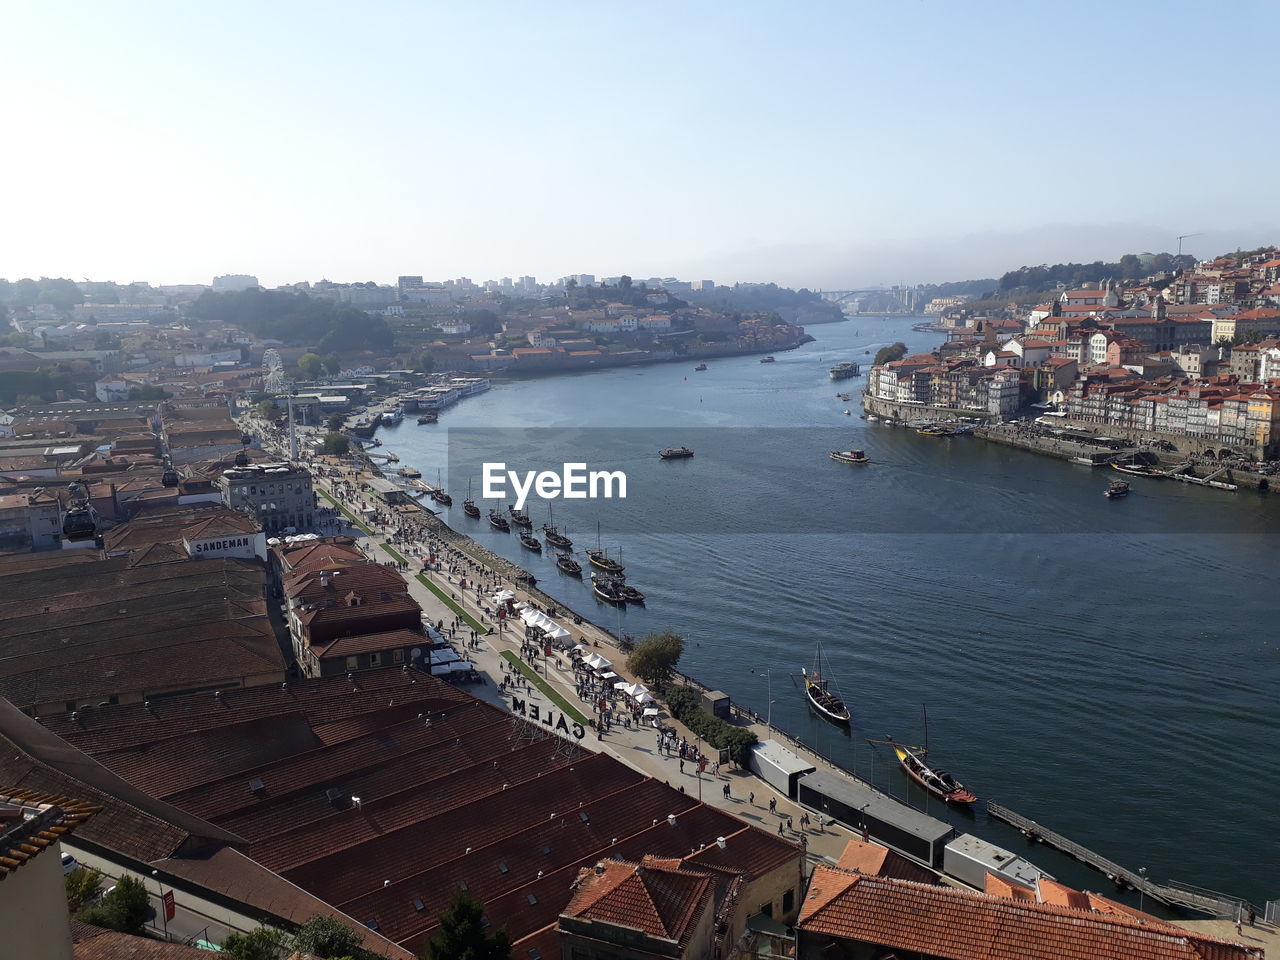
(242,459)
(78,524)
(170,477)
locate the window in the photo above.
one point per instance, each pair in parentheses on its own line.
(353,663)
(375,659)
(788,901)
(767,909)
(397,656)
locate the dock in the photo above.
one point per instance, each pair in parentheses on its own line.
(1171,894)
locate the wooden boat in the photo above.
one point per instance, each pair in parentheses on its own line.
(675,453)
(830,705)
(607,590)
(601,559)
(519,517)
(933,779)
(554,536)
(498,521)
(530,542)
(569,565)
(470,509)
(1117,488)
(1137,469)
(439,496)
(630,593)
(849,456)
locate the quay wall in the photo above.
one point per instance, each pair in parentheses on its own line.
(893,410)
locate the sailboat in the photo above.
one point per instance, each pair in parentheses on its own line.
(601,559)
(554,536)
(438,494)
(469,506)
(915,761)
(820,697)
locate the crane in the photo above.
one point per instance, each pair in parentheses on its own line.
(1184,237)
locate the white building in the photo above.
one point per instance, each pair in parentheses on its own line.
(231,282)
(111,390)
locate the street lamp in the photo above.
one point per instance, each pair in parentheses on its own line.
(1142,872)
(164,914)
(769,712)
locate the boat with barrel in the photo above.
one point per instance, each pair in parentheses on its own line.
(519,518)
(630,593)
(914,761)
(530,542)
(469,506)
(817,690)
(569,565)
(498,521)
(1117,488)
(600,559)
(607,589)
(849,456)
(675,453)
(553,535)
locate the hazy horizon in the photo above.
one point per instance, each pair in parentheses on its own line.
(831,146)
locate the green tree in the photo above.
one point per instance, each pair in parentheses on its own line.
(336,445)
(264,943)
(655,656)
(323,936)
(332,365)
(148,391)
(124,908)
(624,282)
(482,321)
(335,421)
(83,884)
(889,354)
(462,935)
(311,365)
(266,410)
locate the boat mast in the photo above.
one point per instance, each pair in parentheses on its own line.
(924,708)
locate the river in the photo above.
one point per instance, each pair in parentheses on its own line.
(1106,668)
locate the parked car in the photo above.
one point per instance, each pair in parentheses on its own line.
(69,862)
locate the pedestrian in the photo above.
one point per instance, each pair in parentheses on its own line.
(779,828)
(790,824)
(773,804)
(726,791)
(751,797)
(1253,915)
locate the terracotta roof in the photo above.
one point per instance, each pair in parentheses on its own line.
(32,823)
(371,643)
(878,861)
(95,943)
(662,902)
(958,925)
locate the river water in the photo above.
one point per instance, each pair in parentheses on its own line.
(1106,668)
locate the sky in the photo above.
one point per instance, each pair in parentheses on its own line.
(828,145)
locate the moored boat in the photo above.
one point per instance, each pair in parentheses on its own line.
(439,496)
(470,509)
(519,517)
(409,473)
(1137,469)
(933,779)
(530,542)
(849,456)
(822,699)
(498,521)
(601,559)
(569,565)
(675,453)
(630,593)
(556,538)
(607,590)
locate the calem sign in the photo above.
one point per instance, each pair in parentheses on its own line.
(548,718)
(573,482)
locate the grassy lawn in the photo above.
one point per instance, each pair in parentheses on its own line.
(348,514)
(453,605)
(395,553)
(545,687)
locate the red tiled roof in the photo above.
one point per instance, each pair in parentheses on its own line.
(871,858)
(662,902)
(946,922)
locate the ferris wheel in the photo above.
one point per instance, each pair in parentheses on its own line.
(273,372)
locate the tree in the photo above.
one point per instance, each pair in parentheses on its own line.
(624,282)
(83,884)
(124,908)
(311,365)
(264,943)
(332,365)
(462,935)
(655,656)
(148,391)
(336,445)
(335,421)
(266,410)
(323,936)
(889,354)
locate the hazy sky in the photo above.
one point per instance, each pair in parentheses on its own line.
(819,144)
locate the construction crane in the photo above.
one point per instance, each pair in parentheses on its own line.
(1184,237)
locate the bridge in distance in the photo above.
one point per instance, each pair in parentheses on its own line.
(876,300)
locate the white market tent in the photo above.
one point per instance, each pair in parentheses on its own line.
(502,596)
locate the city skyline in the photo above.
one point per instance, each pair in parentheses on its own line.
(838,147)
